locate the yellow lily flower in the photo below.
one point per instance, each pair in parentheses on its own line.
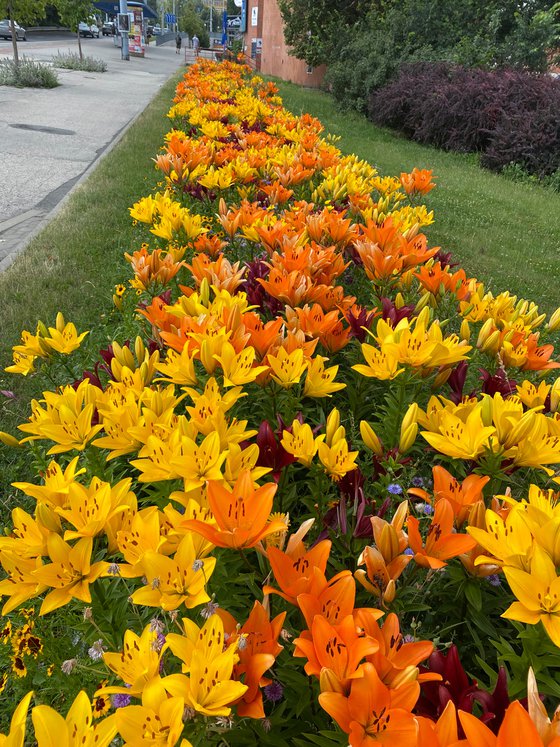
(70,573)
(28,538)
(90,510)
(198,464)
(380,364)
(287,367)
(21,583)
(158,721)
(538,593)
(143,535)
(336,459)
(178,368)
(508,540)
(301,442)
(209,689)
(238,368)
(57,484)
(66,420)
(16,735)
(76,729)
(461,439)
(175,581)
(63,337)
(319,381)
(137,664)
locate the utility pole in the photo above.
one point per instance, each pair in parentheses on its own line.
(124,34)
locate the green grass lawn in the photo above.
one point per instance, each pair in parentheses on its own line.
(504,233)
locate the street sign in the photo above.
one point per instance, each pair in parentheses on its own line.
(170,18)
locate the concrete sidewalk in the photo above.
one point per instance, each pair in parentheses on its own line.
(49,138)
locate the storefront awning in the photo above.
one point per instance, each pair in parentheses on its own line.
(112,6)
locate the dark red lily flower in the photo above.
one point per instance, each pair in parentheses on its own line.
(271,452)
(499,382)
(445,259)
(359,319)
(457,686)
(390,313)
(456,381)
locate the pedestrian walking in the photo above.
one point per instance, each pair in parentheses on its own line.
(178,42)
(195,45)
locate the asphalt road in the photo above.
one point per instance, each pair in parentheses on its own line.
(50,138)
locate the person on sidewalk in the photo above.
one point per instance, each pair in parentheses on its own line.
(178,42)
(195,45)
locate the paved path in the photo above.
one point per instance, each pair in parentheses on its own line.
(50,138)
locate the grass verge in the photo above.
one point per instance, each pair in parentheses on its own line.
(75,262)
(505,233)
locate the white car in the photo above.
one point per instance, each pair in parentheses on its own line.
(88,29)
(6,30)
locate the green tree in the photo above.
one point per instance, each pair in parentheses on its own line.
(72,12)
(24,12)
(192,20)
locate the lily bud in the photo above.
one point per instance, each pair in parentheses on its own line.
(370,438)
(139,349)
(399,300)
(410,417)
(10,440)
(48,518)
(477,515)
(390,592)
(333,423)
(465,331)
(492,343)
(423,302)
(554,321)
(485,332)
(486,410)
(521,429)
(441,378)
(408,438)
(555,395)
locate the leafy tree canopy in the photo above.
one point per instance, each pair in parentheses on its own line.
(23,11)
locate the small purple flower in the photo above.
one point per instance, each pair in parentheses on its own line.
(427,509)
(408,638)
(394,488)
(494,580)
(120,700)
(417,482)
(274,692)
(409,551)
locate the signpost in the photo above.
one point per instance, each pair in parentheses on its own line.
(123,11)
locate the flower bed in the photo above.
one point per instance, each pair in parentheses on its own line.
(300,395)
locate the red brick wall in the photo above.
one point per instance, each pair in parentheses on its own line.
(275,59)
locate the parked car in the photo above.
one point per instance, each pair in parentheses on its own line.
(6,30)
(88,29)
(108,28)
(157,31)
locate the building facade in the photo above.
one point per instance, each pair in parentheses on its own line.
(265,45)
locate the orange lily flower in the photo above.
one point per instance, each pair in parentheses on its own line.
(441,543)
(395,661)
(295,570)
(339,649)
(373,714)
(419,181)
(334,602)
(241,515)
(461,496)
(516,730)
(257,649)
